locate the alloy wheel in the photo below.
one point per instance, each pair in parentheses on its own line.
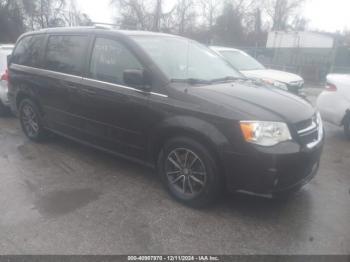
(186,172)
(30,121)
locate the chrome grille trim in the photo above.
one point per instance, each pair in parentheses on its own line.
(316,128)
(312,127)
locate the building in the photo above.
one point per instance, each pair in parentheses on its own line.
(281,39)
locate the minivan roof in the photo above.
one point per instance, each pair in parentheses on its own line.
(89,29)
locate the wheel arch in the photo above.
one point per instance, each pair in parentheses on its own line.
(21,95)
(199,130)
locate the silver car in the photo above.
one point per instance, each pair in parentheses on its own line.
(251,68)
(5,50)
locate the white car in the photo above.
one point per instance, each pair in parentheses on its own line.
(251,68)
(5,50)
(334,102)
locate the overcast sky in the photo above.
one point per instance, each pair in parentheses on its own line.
(328,15)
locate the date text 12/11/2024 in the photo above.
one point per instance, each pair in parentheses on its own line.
(173,258)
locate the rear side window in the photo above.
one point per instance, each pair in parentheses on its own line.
(28,51)
(66,54)
(110,59)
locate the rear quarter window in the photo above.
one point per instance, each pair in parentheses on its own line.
(66,54)
(28,51)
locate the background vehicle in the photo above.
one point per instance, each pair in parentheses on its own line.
(5,50)
(168,102)
(251,68)
(334,102)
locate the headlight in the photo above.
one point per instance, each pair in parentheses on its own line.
(280,85)
(265,133)
(277,84)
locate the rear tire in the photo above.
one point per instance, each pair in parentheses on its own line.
(189,172)
(347,125)
(31,121)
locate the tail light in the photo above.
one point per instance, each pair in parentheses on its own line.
(331,87)
(5,76)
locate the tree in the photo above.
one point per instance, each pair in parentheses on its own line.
(50,13)
(208,16)
(53,13)
(281,12)
(258,21)
(11,20)
(44,13)
(134,14)
(185,15)
(229,26)
(18,16)
(299,23)
(210,10)
(157,16)
(74,17)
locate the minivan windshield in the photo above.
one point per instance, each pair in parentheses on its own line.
(241,60)
(184,59)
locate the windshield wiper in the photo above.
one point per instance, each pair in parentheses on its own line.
(227,79)
(192,81)
(197,81)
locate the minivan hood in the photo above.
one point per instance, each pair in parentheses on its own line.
(255,102)
(275,75)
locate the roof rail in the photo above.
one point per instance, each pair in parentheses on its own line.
(99,25)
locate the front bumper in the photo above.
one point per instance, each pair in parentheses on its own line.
(272,170)
(297,88)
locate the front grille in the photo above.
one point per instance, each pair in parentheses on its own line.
(308,130)
(304,124)
(298,84)
(309,137)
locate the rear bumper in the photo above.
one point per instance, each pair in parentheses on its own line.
(333,107)
(12,103)
(4,95)
(273,170)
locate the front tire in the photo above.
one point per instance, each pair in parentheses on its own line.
(189,172)
(347,125)
(31,121)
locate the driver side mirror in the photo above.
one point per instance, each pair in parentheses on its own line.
(137,78)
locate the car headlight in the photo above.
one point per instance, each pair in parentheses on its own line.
(280,85)
(265,133)
(277,84)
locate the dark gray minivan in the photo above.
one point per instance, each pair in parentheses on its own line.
(167,102)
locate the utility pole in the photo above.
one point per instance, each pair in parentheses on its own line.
(334,54)
(157,16)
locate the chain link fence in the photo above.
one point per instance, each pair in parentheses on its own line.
(313,64)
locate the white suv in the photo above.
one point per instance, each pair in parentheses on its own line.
(251,68)
(5,50)
(334,102)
